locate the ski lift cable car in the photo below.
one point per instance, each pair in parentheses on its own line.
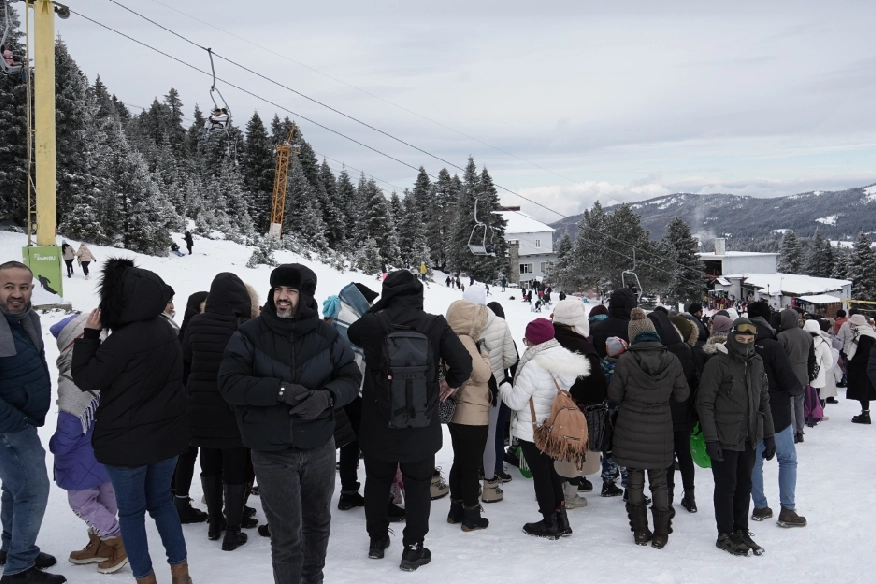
(633,279)
(7,68)
(222,120)
(478,242)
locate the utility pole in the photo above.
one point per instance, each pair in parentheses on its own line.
(44,119)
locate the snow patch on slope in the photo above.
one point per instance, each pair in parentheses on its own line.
(827,220)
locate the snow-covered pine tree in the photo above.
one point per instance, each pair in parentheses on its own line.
(72,104)
(368,258)
(440,228)
(821,261)
(333,213)
(412,233)
(348,196)
(842,262)
(175,131)
(560,273)
(377,222)
(687,284)
(862,270)
(257,166)
(488,268)
(302,218)
(194,132)
(790,254)
(263,254)
(590,262)
(422,195)
(460,259)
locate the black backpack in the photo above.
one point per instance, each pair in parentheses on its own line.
(406,387)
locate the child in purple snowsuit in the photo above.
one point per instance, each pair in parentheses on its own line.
(89,490)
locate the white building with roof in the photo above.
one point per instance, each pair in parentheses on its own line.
(531,245)
(721,261)
(783,290)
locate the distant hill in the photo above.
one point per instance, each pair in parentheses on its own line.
(840,215)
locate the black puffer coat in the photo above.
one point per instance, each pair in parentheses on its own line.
(593,388)
(193,307)
(646,378)
(783,382)
(620,305)
(681,420)
(211,419)
(861,386)
(268,350)
(138,371)
(402,299)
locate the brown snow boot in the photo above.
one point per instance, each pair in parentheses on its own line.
(150,579)
(118,556)
(638,515)
(92,553)
(180,574)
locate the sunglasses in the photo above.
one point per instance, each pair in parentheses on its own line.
(745,329)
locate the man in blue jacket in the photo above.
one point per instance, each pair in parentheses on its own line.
(25,395)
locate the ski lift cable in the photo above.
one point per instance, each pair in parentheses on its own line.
(369,126)
(388,156)
(377,97)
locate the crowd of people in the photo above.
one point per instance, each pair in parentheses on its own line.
(267,393)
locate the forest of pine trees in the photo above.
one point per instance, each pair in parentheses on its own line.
(131,178)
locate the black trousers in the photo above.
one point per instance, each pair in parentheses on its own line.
(657,482)
(685,465)
(733,488)
(548,484)
(185,470)
(229,463)
(349,458)
(469,443)
(69,267)
(417,477)
(85,267)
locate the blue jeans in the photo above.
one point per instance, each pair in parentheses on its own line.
(147,488)
(786,454)
(24,498)
(296,488)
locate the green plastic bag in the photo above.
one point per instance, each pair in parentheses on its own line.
(522,466)
(698,448)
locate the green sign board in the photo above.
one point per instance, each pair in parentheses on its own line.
(45,263)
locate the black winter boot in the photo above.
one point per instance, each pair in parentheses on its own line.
(563,527)
(472,520)
(348,501)
(546,528)
(638,515)
(377,547)
(731,545)
(609,489)
(213,494)
(187,513)
(662,528)
(414,556)
(33,575)
(235,495)
(864,418)
(456,513)
(689,502)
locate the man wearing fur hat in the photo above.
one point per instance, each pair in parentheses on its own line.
(284,373)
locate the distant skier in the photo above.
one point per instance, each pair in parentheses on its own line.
(69,256)
(189,241)
(423,271)
(504,283)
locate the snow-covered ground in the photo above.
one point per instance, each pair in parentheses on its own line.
(835,482)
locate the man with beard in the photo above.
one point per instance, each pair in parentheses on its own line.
(25,396)
(284,373)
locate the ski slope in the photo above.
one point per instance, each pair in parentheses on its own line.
(836,478)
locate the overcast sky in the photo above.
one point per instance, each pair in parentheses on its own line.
(625,100)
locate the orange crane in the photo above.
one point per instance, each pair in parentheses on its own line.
(281,176)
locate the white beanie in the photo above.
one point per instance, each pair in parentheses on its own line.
(476,294)
(571,312)
(812,326)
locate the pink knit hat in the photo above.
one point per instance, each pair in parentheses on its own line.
(539,331)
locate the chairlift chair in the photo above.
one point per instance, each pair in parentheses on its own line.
(6,67)
(478,242)
(634,283)
(222,121)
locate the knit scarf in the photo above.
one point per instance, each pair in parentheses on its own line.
(531,353)
(858,332)
(31,323)
(72,400)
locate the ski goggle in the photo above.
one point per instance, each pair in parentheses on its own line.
(745,329)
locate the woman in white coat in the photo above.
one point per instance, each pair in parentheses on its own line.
(824,360)
(544,365)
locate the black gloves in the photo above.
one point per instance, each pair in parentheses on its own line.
(291,393)
(494,390)
(769,447)
(313,404)
(713,449)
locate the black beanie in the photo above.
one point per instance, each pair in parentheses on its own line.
(369,294)
(695,307)
(759,310)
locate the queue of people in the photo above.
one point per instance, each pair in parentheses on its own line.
(269,393)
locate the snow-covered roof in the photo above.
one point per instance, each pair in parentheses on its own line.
(707,255)
(795,284)
(820,299)
(522,223)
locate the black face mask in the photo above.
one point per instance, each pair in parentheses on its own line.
(739,348)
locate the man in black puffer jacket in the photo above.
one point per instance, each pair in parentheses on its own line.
(284,373)
(141,424)
(681,423)
(414,449)
(784,385)
(620,305)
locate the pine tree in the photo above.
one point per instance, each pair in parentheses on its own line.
(175,132)
(264,252)
(258,167)
(591,259)
(842,263)
(368,258)
(302,219)
(13,132)
(790,254)
(333,213)
(348,196)
(460,259)
(686,284)
(377,222)
(442,215)
(561,272)
(821,260)
(412,233)
(71,102)
(422,194)
(861,270)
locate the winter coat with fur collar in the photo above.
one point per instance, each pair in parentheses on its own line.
(468,321)
(138,370)
(535,379)
(648,376)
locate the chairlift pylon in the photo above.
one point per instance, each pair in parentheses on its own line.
(481,246)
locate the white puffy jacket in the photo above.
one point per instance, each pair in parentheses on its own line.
(500,345)
(824,359)
(535,379)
